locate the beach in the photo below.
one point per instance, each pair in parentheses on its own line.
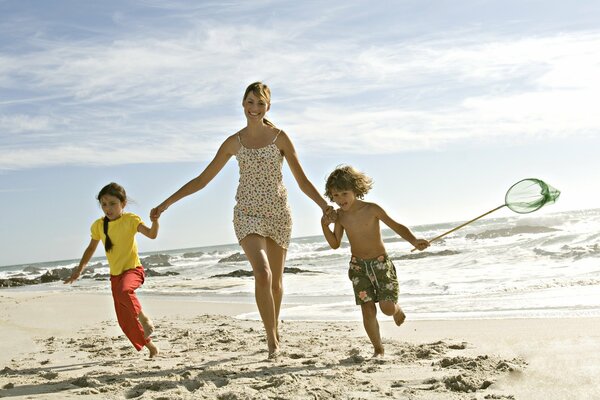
(67,345)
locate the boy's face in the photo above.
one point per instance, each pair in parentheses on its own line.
(343,198)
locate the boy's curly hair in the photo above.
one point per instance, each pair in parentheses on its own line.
(345,177)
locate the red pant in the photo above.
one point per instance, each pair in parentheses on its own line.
(128,306)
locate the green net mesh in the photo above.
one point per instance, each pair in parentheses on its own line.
(530,195)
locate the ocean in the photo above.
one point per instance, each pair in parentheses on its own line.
(520,266)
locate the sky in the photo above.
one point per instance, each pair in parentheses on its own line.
(444,104)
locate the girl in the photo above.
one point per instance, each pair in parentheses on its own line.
(261,216)
(117,231)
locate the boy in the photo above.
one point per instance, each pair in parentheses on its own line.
(372,273)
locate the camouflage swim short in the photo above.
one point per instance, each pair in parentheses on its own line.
(373,279)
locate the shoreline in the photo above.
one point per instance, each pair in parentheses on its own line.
(61,345)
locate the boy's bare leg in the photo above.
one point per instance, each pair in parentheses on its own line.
(146,324)
(152,349)
(369,313)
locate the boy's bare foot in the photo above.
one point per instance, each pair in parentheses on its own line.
(146,324)
(152,349)
(399,317)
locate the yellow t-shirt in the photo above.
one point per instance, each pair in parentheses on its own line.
(124,253)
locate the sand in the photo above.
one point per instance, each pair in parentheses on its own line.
(67,345)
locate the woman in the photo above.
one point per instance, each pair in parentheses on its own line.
(262,218)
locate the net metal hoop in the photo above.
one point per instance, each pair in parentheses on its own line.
(529,195)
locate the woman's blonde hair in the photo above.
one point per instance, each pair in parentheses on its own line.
(345,177)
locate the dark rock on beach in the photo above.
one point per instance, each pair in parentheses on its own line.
(236,257)
(60,274)
(156,260)
(193,254)
(151,273)
(238,273)
(241,273)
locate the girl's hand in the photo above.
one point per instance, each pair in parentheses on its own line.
(156,212)
(74,276)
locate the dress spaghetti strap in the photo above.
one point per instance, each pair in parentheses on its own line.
(276,136)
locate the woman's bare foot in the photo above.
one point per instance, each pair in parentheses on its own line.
(399,317)
(273,349)
(146,324)
(152,349)
(378,353)
(274,354)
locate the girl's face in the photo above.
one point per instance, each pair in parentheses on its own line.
(112,206)
(343,198)
(255,107)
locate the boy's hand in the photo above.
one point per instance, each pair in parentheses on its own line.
(74,276)
(330,214)
(421,244)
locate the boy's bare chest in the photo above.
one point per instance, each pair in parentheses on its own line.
(359,222)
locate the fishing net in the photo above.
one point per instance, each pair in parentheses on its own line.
(523,197)
(530,195)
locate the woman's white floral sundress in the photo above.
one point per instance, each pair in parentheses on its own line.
(261,198)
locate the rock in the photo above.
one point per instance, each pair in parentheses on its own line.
(238,273)
(156,260)
(32,270)
(241,273)
(151,272)
(193,254)
(236,257)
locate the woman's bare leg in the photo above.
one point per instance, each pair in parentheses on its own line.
(276,256)
(255,247)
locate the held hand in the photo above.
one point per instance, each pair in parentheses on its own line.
(421,244)
(156,212)
(330,213)
(154,215)
(74,276)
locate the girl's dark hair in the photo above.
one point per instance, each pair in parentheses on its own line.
(346,177)
(262,91)
(116,190)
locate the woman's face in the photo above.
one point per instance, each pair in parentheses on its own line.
(255,107)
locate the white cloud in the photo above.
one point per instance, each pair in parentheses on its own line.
(171,97)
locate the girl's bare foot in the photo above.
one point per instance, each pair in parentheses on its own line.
(152,349)
(399,317)
(146,324)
